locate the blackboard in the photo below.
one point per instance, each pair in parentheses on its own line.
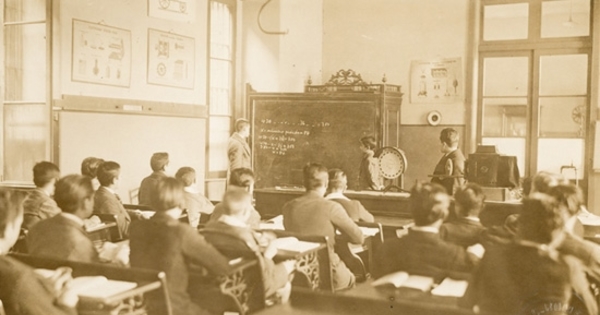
(288,133)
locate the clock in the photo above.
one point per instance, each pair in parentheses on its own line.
(392,162)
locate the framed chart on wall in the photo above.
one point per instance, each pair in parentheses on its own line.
(436,81)
(171,60)
(101,54)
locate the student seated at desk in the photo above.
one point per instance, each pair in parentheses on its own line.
(89,168)
(106,200)
(240,178)
(525,276)
(158,162)
(22,291)
(195,202)
(237,207)
(39,204)
(338,183)
(311,214)
(164,243)
(63,236)
(422,251)
(465,230)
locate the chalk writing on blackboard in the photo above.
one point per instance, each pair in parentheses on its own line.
(281,136)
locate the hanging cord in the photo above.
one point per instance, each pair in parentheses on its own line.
(260,24)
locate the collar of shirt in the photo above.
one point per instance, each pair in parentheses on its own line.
(44,192)
(427,229)
(336,195)
(191,189)
(472,219)
(73,218)
(233,221)
(109,190)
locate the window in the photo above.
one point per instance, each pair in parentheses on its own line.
(221,74)
(26,110)
(533,83)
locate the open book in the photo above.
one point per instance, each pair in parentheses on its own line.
(275,223)
(292,244)
(403,279)
(99,287)
(450,287)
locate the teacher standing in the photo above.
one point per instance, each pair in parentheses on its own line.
(238,150)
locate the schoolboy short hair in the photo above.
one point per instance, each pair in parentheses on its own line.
(449,136)
(89,166)
(71,191)
(241,123)
(187,175)
(469,199)
(236,201)
(315,176)
(159,160)
(540,217)
(44,172)
(569,197)
(235,178)
(337,179)
(107,172)
(369,142)
(169,194)
(426,203)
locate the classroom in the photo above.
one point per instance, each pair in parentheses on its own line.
(299,157)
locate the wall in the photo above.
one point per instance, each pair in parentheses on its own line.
(377,37)
(130,15)
(282,63)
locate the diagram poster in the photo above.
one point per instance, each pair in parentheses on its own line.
(101,54)
(437,81)
(177,10)
(170,59)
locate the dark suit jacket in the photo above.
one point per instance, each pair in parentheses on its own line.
(452,164)
(426,254)
(462,231)
(106,202)
(238,152)
(61,238)
(355,210)
(511,278)
(164,243)
(274,275)
(253,221)
(312,214)
(22,291)
(148,187)
(587,252)
(38,206)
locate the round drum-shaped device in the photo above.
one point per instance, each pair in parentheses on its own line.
(392,162)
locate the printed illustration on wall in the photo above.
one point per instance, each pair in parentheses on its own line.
(436,81)
(176,10)
(170,59)
(101,54)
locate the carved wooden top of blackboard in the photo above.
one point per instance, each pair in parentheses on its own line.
(350,81)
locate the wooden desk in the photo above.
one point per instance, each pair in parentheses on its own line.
(269,202)
(307,264)
(102,232)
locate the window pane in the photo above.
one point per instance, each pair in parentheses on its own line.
(556,153)
(566,18)
(24,10)
(563,75)
(505,117)
(505,76)
(562,117)
(220,87)
(510,146)
(25,65)
(221,31)
(506,21)
(218,135)
(25,130)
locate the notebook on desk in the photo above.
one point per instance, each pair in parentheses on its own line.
(94,287)
(403,279)
(293,245)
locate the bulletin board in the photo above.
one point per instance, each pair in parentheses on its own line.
(130,140)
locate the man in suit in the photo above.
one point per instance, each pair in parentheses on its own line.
(466,229)
(39,204)
(163,243)
(422,251)
(106,200)
(238,150)
(312,214)
(237,208)
(338,182)
(158,162)
(450,170)
(63,236)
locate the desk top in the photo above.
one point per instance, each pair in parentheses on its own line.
(350,193)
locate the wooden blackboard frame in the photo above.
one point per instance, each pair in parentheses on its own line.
(255,99)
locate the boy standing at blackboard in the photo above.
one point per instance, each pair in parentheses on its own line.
(238,150)
(369,177)
(450,170)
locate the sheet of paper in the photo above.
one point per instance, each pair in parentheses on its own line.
(451,287)
(396,279)
(367,231)
(418,282)
(98,287)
